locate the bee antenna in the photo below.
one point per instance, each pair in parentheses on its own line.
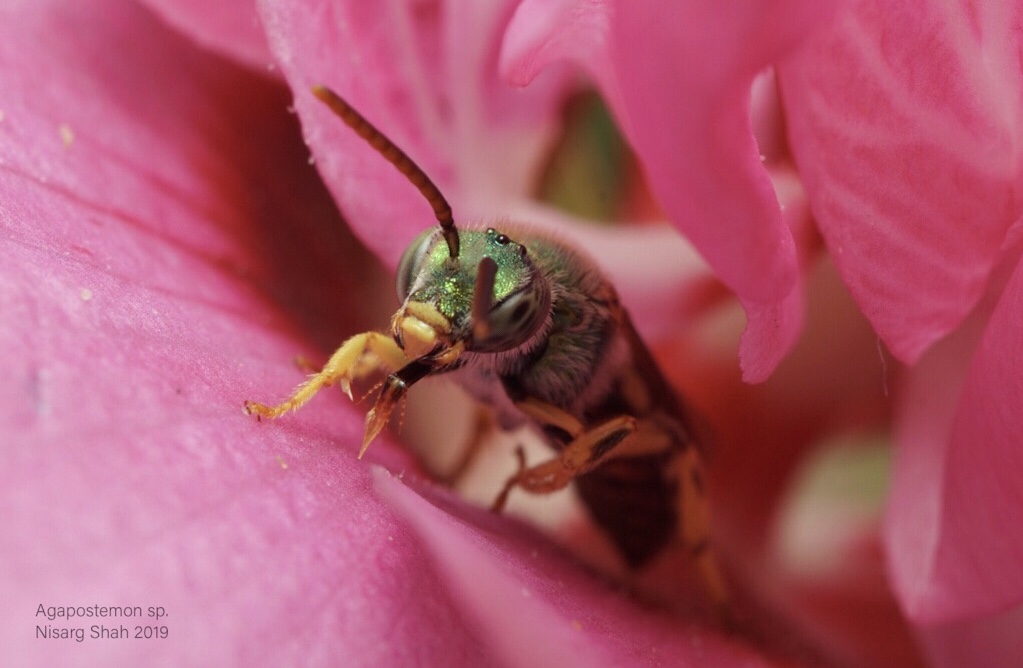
(398,158)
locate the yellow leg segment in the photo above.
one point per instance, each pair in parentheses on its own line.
(544,413)
(358,357)
(586,451)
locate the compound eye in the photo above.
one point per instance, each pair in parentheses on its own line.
(411,262)
(514,320)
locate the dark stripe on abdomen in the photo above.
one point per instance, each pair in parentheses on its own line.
(631,500)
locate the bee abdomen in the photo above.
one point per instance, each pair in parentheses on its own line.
(635,503)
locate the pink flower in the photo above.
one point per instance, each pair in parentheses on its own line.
(169,248)
(921,217)
(902,122)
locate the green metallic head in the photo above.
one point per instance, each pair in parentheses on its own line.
(472,290)
(501,318)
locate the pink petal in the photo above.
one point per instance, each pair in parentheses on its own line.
(904,120)
(144,228)
(429,83)
(542,34)
(763,432)
(913,516)
(992,641)
(535,607)
(679,82)
(230,27)
(835,381)
(982,545)
(772,328)
(956,541)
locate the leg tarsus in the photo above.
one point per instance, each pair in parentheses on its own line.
(357,358)
(502,499)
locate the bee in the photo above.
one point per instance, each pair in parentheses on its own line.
(533,328)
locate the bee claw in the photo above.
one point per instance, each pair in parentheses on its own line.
(375,422)
(259,410)
(252,408)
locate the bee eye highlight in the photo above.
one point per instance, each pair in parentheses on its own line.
(411,261)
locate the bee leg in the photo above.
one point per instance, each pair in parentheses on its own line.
(393,391)
(583,453)
(357,358)
(695,530)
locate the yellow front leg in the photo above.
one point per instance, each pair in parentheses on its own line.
(358,357)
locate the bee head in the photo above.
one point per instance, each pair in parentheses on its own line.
(472,290)
(490,298)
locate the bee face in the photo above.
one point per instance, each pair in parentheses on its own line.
(515,308)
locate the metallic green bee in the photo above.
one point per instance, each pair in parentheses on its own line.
(532,328)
